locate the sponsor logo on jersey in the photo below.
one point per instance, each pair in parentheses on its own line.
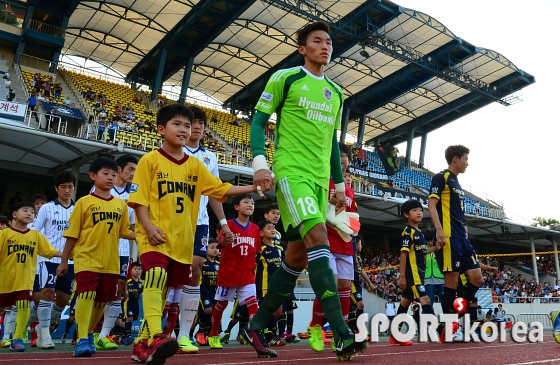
(266,96)
(435,190)
(263,105)
(133,188)
(206,160)
(304,87)
(327,93)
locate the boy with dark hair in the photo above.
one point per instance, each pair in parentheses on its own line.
(191,293)
(447,211)
(208,286)
(131,307)
(168,186)
(413,263)
(237,266)
(52,220)
(38,201)
(3,223)
(311,110)
(92,238)
(19,248)
(126,165)
(356,296)
(268,261)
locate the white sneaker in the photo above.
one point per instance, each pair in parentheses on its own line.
(39,341)
(46,339)
(458,336)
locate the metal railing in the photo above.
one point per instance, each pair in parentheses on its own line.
(543,318)
(34,62)
(45,122)
(84,106)
(45,28)
(17,70)
(116,136)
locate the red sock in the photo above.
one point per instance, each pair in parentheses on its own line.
(344,295)
(318,314)
(252,306)
(171,318)
(165,310)
(33,328)
(217,313)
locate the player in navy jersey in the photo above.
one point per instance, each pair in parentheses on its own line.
(413,263)
(208,285)
(131,307)
(191,293)
(52,220)
(446,205)
(268,261)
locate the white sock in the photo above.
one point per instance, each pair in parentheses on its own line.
(188,305)
(56,312)
(9,323)
(32,313)
(112,311)
(44,313)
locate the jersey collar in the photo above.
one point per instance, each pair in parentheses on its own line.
(173,159)
(17,230)
(199,148)
(240,225)
(56,202)
(310,74)
(99,197)
(126,189)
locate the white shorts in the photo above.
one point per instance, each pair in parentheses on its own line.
(243,292)
(342,266)
(175,294)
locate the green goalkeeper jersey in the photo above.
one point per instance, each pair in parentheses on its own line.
(309,110)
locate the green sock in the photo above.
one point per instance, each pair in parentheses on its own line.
(284,281)
(321,278)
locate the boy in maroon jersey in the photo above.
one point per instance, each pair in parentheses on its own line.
(237,266)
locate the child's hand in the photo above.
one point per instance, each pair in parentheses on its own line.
(62,269)
(155,235)
(402,282)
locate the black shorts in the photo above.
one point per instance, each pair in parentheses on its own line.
(125,261)
(131,310)
(207,299)
(457,255)
(239,312)
(36,286)
(72,311)
(414,292)
(356,295)
(48,278)
(201,241)
(290,303)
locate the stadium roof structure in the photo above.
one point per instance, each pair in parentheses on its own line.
(401,70)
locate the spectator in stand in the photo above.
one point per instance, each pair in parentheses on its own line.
(67,100)
(11,95)
(32,101)
(102,113)
(38,85)
(390,309)
(57,90)
(101,129)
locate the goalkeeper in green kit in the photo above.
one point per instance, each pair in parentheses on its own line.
(309,110)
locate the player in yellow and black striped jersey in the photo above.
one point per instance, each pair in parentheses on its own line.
(131,303)
(268,261)
(413,264)
(208,286)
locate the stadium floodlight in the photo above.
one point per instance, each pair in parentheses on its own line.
(429,58)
